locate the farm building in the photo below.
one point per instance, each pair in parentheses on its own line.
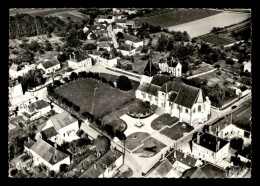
(50,65)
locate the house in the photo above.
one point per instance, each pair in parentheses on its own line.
(178,99)
(50,65)
(132,40)
(36,110)
(106,166)
(174,165)
(44,153)
(65,125)
(209,147)
(107,60)
(206,171)
(95,54)
(172,66)
(105,45)
(121,22)
(117,28)
(126,50)
(15,70)
(104,18)
(85,29)
(48,134)
(130,24)
(130,11)
(80,63)
(100,33)
(247,66)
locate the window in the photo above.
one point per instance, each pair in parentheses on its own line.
(194,110)
(186,110)
(199,108)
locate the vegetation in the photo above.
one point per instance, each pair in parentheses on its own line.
(32,79)
(102,144)
(236,143)
(123,83)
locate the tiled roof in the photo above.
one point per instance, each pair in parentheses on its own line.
(164,168)
(131,38)
(171,86)
(105,38)
(103,44)
(105,161)
(48,152)
(194,172)
(29,144)
(187,96)
(51,63)
(173,96)
(120,20)
(62,120)
(149,88)
(49,132)
(95,52)
(14,67)
(38,105)
(126,47)
(160,79)
(210,141)
(180,157)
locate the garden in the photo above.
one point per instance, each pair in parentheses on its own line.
(143,109)
(134,140)
(150,147)
(216,39)
(177,131)
(164,120)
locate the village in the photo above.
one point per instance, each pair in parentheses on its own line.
(121,93)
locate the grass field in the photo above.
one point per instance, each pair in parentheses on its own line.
(216,39)
(106,99)
(176,17)
(177,131)
(203,67)
(150,148)
(135,139)
(163,120)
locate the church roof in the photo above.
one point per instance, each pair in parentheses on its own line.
(149,88)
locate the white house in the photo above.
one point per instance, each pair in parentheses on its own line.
(126,50)
(132,40)
(247,66)
(79,63)
(50,66)
(172,66)
(14,70)
(103,168)
(178,99)
(37,109)
(107,60)
(104,18)
(44,153)
(95,54)
(210,148)
(65,125)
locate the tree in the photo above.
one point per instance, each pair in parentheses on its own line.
(111,83)
(66,79)
(162,43)
(82,74)
(102,144)
(34,46)
(62,57)
(14,172)
(103,79)
(73,76)
(48,46)
(57,83)
(88,116)
(63,167)
(123,83)
(51,173)
(109,130)
(230,61)
(236,143)
(76,108)
(80,132)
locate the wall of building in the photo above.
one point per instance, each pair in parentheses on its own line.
(65,132)
(113,168)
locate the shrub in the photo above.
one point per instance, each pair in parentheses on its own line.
(123,83)
(80,132)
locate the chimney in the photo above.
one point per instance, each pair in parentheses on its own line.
(218,145)
(198,138)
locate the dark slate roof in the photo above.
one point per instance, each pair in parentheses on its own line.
(160,79)
(103,44)
(126,47)
(164,168)
(173,96)
(62,120)
(38,105)
(172,64)
(48,64)
(180,157)
(95,52)
(210,141)
(171,86)
(149,88)
(194,172)
(29,143)
(131,38)
(187,96)
(105,161)
(48,152)
(212,171)
(49,132)
(120,20)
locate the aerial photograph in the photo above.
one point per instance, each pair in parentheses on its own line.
(129,93)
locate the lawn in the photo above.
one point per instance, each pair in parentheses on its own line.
(118,124)
(216,39)
(203,67)
(150,148)
(176,17)
(177,131)
(139,65)
(106,99)
(135,139)
(163,120)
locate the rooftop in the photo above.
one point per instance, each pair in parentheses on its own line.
(38,105)
(164,168)
(149,88)
(102,164)
(210,142)
(181,157)
(17,120)
(49,132)
(131,38)
(50,63)
(103,44)
(62,120)
(126,47)
(48,152)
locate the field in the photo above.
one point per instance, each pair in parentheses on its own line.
(176,17)
(156,36)
(177,131)
(204,26)
(163,120)
(203,67)
(135,139)
(216,39)
(74,15)
(150,148)
(139,65)
(106,99)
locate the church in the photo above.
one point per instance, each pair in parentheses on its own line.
(178,99)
